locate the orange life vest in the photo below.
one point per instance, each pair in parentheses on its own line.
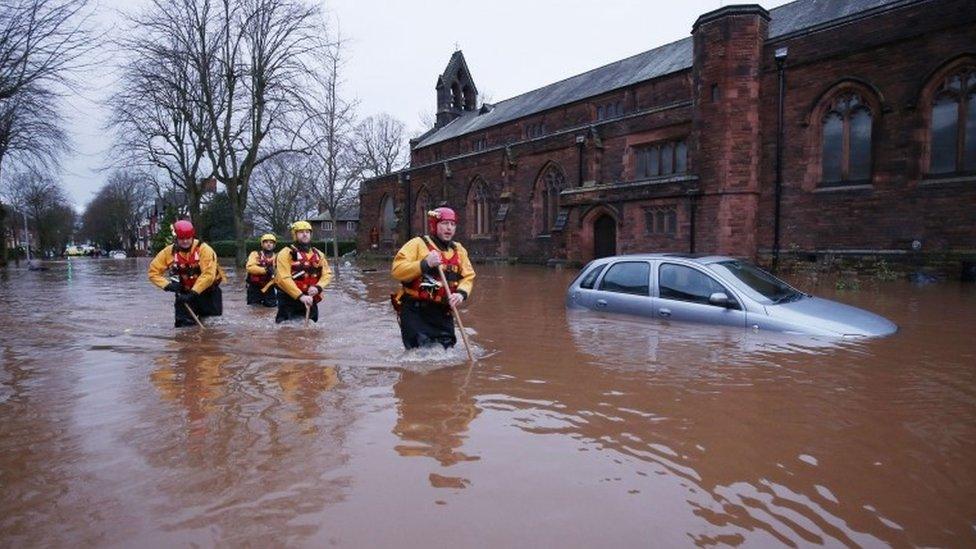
(263,261)
(308,267)
(186,266)
(428,287)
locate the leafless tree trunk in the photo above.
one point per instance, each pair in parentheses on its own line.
(255,95)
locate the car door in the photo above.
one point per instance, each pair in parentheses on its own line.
(585,293)
(625,288)
(683,292)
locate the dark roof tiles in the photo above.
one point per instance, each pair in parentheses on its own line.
(667,59)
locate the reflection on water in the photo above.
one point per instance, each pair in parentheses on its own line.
(572,429)
(433,414)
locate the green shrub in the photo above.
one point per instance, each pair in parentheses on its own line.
(227,248)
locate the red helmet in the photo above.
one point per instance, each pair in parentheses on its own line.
(183,229)
(436,216)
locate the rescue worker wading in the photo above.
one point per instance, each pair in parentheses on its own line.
(189,268)
(425,315)
(301,274)
(260,271)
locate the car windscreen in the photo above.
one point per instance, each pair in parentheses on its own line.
(757,280)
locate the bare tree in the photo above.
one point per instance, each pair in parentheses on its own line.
(46,205)
(333,164)
(30,134)
(253,59)
(380,145)
(280,193)
(112,218)
(41,41)
(157,120)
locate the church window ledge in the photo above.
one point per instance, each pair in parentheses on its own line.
(661,180)
(936,180)
(835,187)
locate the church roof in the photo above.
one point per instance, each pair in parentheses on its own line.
(801,15)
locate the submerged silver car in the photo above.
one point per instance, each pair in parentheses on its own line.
(714,290)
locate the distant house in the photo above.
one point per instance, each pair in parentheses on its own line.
(346,224)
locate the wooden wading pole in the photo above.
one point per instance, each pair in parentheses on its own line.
(457,316)
(194,315)
(308,311)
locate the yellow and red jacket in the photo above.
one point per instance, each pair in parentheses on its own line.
(258,265)
(424,284)
(196,269)
(296,271)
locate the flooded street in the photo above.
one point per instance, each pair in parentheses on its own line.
(572,431)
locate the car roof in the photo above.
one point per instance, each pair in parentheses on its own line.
(701,259)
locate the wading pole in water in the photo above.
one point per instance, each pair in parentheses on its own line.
(194,315)
(308,311)
(457,316)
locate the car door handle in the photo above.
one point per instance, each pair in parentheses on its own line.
(664,312)
(601,303)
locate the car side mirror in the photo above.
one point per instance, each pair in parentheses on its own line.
(720,299)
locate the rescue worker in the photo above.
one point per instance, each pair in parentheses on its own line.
(189,269)
(301,273)
(422,302)
(260,271)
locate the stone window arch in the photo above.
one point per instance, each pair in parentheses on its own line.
(842,125)
(950,106)
(421,205)
(388,220)
(845,150)
(551,182)
(479,208)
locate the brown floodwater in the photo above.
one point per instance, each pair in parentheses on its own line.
(573,430)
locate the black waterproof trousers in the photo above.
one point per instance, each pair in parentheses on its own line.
(255,297)
(292,309)
(208,303)
(423,323)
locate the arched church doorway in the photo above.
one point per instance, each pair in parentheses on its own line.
(604,237)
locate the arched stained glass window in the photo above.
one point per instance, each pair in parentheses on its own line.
(952,134)
(479,209)
(846,144)
(551,182)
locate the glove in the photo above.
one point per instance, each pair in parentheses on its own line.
(172,287)
(185,297)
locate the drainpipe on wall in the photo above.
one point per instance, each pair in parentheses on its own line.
(780,55)
(580,144)
(693,195)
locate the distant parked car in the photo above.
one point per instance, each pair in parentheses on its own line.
(117,254)
(714,290)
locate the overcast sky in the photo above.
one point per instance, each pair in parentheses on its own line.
(397,49)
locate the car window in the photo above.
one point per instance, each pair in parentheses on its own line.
(627,277)
(686,284)
(589,280)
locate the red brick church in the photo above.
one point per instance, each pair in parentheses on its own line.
(821,126)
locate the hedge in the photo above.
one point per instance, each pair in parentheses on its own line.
(227,248)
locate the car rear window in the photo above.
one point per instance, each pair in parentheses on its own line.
(589,280)
(628,277)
